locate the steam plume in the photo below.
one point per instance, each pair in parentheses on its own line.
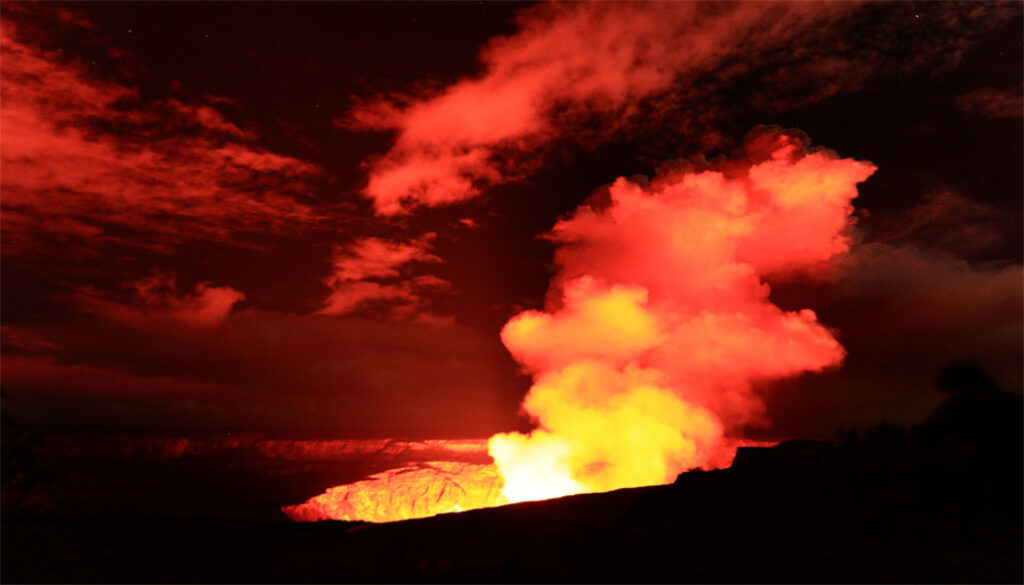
(658,321)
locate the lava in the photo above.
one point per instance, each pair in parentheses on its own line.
(418,491)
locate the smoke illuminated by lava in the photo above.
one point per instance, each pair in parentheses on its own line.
(658,325)
(658,321)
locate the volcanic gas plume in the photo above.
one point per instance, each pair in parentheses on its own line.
(658,323)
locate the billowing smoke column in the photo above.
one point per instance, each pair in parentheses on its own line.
(658,322)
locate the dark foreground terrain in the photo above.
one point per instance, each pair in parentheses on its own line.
(800,512)
(941,502)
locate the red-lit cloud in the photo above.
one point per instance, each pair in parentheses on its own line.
(994,103)
(95,178)
(156,300)
(590,71)
(369,271)
(566,61)
(86,163)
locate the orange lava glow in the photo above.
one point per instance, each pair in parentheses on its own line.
(657,327)
(419,491)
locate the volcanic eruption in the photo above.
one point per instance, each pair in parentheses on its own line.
(656,329)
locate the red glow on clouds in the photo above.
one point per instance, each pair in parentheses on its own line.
(369,271)
(101,166)
(156,301)
(566,61)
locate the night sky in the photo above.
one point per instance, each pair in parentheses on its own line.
(313,219)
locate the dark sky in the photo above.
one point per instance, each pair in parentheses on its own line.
(315,218)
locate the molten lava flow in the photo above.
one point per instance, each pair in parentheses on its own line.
(658,325)
(418,491)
